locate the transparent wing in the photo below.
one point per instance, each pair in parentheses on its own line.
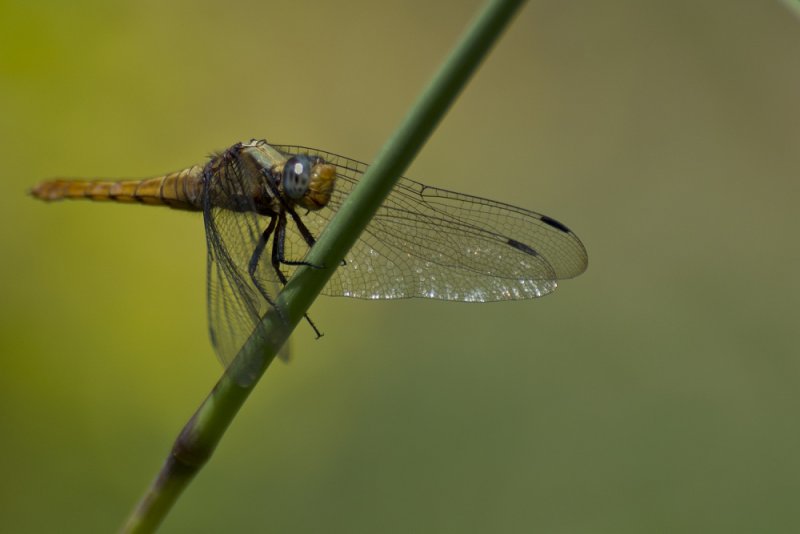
(423,242)
(433,243)
(235,303)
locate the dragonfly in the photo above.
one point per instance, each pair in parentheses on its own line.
(264,205)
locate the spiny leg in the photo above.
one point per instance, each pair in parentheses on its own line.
(301,227)
(279,237)
(278,242)
(252,266)
(307,236)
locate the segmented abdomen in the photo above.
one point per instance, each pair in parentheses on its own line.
(179,190)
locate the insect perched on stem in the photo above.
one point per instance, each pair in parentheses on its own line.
(423,242)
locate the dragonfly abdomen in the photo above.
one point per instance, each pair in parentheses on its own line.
(179,190)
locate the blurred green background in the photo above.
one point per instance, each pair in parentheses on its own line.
(658,392)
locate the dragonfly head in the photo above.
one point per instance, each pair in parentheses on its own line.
(308,181)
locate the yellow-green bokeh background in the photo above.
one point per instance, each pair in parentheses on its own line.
(658,392)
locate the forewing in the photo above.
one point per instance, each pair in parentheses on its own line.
(433,243)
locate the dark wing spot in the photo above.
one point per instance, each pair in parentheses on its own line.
(555,224)
(523,247)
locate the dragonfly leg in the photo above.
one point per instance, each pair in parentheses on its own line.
(252,266)
(301,227)
(278,242)
(307,236)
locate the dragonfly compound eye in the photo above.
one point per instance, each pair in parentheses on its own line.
(297,176)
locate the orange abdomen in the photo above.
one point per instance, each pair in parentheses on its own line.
(179,190)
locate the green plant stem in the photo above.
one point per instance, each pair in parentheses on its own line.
(794,5)
(204,430)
